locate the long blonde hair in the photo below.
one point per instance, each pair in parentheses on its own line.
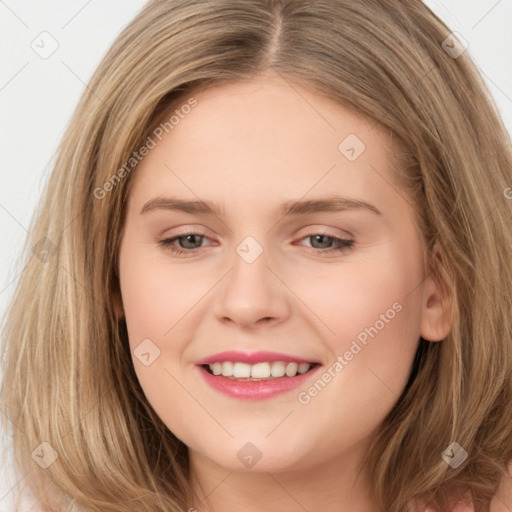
(69,379)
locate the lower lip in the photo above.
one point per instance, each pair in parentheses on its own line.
(252,389)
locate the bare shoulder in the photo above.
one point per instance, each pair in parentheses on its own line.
(502,500)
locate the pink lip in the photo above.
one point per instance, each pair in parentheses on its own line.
(255,390)
(252,358)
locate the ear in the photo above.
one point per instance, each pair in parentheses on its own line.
(117,302)
(437,302)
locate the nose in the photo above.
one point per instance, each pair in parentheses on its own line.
(252,294)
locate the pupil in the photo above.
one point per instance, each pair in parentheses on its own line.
(320,237)
(187,237)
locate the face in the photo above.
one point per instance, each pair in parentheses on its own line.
(336,282)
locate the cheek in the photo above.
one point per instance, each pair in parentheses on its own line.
(357,297)
(374,312)
(156,296)
(157,300)
(378,325)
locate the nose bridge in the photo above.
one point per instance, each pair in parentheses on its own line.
(251,266)
(251,291)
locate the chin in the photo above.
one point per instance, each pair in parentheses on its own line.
(260,456)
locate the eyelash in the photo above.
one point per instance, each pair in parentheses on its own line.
(342,243)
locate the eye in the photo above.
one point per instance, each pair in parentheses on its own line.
(190,242)
(340,244)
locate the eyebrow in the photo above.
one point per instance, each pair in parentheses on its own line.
(328,204)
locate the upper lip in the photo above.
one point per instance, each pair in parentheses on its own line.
(252,358)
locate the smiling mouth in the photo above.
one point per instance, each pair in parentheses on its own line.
(259,371)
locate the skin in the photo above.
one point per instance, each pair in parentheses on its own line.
(249,147)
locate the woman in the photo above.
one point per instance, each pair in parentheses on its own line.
(163,363)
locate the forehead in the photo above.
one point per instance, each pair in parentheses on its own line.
(264,137)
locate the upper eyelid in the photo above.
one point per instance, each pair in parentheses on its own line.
(309,230)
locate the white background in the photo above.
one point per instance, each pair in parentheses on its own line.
(37,97)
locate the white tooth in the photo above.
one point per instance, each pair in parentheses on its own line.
(227,369)
(278,369)
(264,370)
(260,371)
(241,370)
(304,367)
(291,369)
